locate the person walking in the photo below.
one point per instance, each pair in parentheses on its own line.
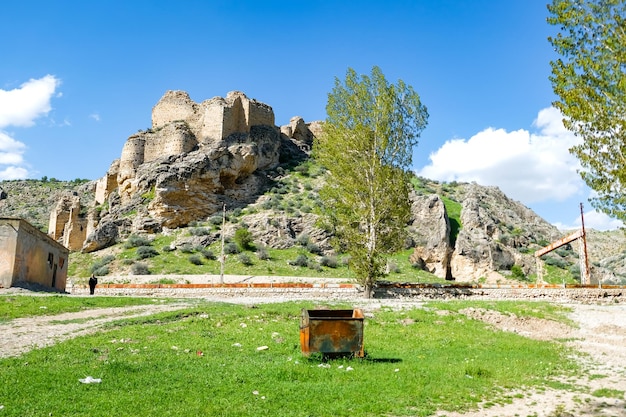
(93,281)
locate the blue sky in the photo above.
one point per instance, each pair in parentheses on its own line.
(78,77)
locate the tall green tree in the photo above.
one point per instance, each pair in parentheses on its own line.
(589,79)
(367,146)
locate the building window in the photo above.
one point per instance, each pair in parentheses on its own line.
(50,259)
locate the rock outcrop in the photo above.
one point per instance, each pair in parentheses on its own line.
(494,227)
(67,224)
(430,229)
(194,159)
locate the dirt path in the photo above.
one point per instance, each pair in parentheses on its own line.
(600,340)
(21,335)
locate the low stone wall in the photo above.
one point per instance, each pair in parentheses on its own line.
(335,291)
(250,290)
(556,294)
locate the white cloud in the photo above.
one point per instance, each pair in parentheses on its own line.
(593,220)
(14,173)
(21,106)
(11,152)
(95,116)
(530,167)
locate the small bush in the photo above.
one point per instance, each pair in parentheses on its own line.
(144,252)
(313,248)
(301,260)
(195,259)
(231,248)
(558,262)
(314,265)
(517,272)
(392,268)
(140,269)
(303,239)
(186,248)
(100,264)
(135,241)
(208,254)
(245,259)
(329,261)
(575,271)
(216,220)
(199,231)
(263,254)
(168,248)
(103,270)
(243,237)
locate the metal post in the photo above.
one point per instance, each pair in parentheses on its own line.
(585,267)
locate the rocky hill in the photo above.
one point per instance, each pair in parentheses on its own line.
(198,158)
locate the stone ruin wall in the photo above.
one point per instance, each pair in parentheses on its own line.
(215,112)
(178,125)
(107,184)
(132,156)
(65,224)
(176,105)
(174,139)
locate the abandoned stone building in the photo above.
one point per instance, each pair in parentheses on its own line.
(28,255)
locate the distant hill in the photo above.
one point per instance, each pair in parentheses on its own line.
(33,200)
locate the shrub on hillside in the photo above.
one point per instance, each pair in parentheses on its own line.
(195,259)
(199,231)
(303,240)
(329,261)
(245,259)
(301,260)
(140,269)
(99,266)
(144,252)
(208,254)
(262,253)
(186,248)
(243,237)
(135,241)
(103,270)
(314,265)
(216,220)
(231,248)
(558,262)
(517,272)
(313,248)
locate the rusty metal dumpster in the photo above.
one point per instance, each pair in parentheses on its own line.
(332,332)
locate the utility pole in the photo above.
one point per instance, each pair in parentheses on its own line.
(222,254)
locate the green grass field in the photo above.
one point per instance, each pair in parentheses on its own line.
(204,361)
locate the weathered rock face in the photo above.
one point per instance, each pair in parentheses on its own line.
(67,224)
(493,227)
(429,228)
(194,159)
